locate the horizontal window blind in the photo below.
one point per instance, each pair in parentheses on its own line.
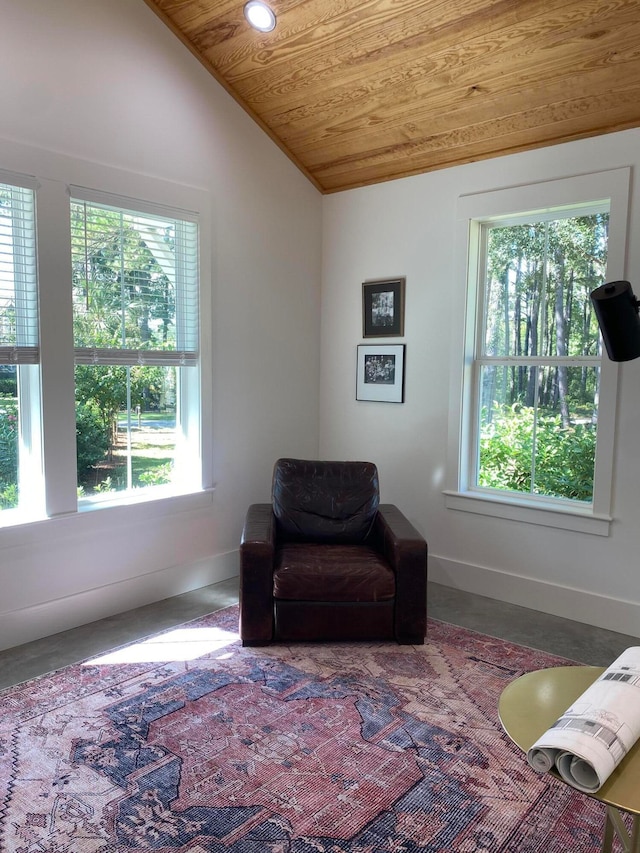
(18,276)
(95,355)
(135,286)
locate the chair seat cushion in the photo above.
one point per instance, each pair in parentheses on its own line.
(310,572)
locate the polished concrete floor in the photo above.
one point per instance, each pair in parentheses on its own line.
(573,640)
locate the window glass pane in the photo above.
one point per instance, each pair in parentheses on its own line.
(9,436)
(537,430)
(134,280)
(126,427)
(566,427)
(513,289)
(537,283)
(505,450)
(18,283)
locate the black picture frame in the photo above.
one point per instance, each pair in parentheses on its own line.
(380,373)
(383,308)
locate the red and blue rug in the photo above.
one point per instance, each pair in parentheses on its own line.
(188,743)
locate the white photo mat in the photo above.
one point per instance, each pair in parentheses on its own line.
(380,373)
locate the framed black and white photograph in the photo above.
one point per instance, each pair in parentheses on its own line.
(383,308)
(380,375)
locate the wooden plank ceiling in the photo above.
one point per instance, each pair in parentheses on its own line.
(362,91)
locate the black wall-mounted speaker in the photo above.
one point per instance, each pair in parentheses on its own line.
(616,309)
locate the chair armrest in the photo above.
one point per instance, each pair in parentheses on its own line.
(405,549)
(259,527)
(257,548)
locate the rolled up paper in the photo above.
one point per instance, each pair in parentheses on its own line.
(542,760)
(578,772)
(593,736)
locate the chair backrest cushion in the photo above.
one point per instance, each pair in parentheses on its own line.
(325,501)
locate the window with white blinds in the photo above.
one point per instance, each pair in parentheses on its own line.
(101,362)
(135,286)
(135,295)
(18,280)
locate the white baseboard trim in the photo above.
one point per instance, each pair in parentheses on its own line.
(601,611)
(51,617)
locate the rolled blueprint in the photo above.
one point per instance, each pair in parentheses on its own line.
(593,736)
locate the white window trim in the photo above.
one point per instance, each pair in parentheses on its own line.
(188,446)
(548,196)
(54,179)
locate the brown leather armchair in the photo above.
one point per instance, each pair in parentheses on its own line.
(326,561)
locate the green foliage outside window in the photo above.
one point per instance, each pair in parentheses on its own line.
(563,456)
(8,454)
(92,439)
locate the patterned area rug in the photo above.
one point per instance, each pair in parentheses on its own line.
(188,742)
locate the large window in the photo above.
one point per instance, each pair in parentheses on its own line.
(535,421)
(135,326)
(537,359)
(101,359)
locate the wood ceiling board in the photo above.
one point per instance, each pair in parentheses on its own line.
(575,114)
(458,105)
(470,145)
(360,91)
(496,93)
(404,86)
(553,107)
(343,63)
(346,42)
(281,84)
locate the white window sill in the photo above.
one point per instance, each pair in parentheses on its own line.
(154,497)
(10,518)
(546,513)
(88,521)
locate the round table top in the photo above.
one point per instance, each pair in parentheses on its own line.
(532,703)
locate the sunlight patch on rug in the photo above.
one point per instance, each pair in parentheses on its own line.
(309,748)
(181,644)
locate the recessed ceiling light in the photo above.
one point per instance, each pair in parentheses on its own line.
(260,16)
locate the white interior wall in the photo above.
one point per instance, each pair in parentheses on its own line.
(105,82)
(407,227)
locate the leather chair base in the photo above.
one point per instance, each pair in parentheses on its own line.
(303,621)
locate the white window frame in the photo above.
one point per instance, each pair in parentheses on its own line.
(188,444)
(473,211)
(26,357)
(56,179)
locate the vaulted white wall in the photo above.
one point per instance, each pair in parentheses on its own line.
(105,82)
(407,227)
